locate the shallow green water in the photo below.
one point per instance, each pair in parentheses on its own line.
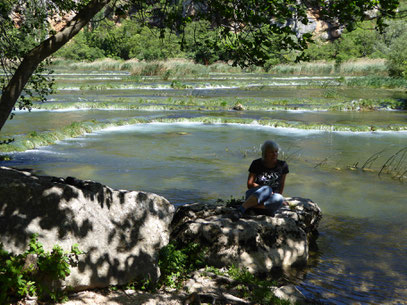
(363,235)
(25,122)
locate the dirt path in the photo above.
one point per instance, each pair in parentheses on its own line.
(123,297)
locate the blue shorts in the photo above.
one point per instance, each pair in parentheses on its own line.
(265,196)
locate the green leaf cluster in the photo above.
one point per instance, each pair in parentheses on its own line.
(392,45)
(126,40)
(23,25)
(366,42)
(232,202)
(258,290)
(35,272)
(359,43)
(176,262)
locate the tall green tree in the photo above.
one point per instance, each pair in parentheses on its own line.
(248,29)
(392,45)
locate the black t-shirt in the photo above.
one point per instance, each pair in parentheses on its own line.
(269,176)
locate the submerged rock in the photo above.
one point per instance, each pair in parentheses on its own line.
(238,107)
(120,231)
(256,242)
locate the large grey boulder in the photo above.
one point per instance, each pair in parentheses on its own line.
(120,231)
(256,242)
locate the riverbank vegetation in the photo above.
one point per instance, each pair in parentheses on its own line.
(35,273)
(370,72)
(363,51)
(177,263)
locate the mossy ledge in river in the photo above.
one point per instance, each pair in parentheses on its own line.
(34,140)
(337,104)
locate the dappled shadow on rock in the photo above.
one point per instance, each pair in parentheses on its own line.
(256,242)
(119,231)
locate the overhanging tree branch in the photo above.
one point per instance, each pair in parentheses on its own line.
(33,58)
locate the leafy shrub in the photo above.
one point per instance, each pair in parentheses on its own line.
(129,40)
(257,290)
(232,202)
(392,45)
(176,84)
(175,262)
(79,49)
(351,45)
(35,272)
(251,287)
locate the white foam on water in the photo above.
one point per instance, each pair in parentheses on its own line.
(306,77)
(50,110)
(144,127)
(270,77)
(43,150)
(283,130)
(401,133)
(69,89)
(215,87)
(123,73)
(302,110)
(70,109)
(23,111)
(291,82)
(93,78)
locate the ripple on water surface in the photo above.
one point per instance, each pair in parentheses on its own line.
(362,241)
(362,236)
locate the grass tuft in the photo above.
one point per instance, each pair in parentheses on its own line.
(360,67)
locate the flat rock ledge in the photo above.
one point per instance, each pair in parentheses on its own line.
(256,242)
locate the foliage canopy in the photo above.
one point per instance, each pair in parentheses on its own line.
(251,31)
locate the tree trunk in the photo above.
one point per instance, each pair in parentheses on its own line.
(32,59)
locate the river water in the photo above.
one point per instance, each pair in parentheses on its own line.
(362,243)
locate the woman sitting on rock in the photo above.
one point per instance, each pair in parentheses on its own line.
(266,181)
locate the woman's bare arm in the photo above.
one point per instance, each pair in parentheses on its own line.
(251,181)
(282,183)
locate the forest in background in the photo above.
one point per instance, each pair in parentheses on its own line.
(201,43)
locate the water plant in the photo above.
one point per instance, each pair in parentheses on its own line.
(368,105)
(176,84)
(396,165)
(364,66)
(374,81)
(353,67)
(36,272)
(172,68)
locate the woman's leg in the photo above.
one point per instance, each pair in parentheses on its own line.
(274,202)
(256,197)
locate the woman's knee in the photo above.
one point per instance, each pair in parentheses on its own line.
(263,193)
(274,202)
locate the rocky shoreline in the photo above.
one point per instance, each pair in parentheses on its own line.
(121,233)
